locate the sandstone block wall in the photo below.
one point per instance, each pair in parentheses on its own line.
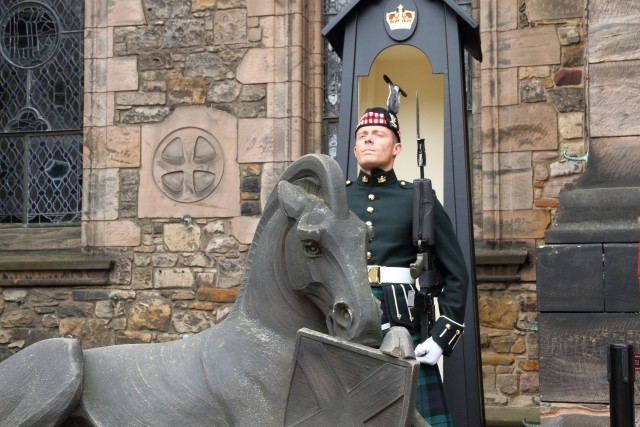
(192,109)
(529,139)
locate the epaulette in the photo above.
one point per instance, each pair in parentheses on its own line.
(405,184)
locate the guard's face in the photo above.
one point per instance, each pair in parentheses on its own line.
(376,147)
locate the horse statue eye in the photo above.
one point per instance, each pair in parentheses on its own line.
(311,247)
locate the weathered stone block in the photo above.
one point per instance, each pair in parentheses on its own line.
(613,31)
(173,278)
(564,168)
(518,133)
(202,259)
(155,60)
(543,10)
(571,125)
(142,277)
(566,77)
(507,19)
(104,309)
(221,245)
(197,5)
(104,198)
(183,295)
(125,12)
(183,33)
(187,91)
(243,229)
(217,295)
(613,105)
(140,98)
(165,9)
(567,99)
(122,74)
(570,278)
(192,321)
(230,26)
(18,318)
(528,47)
(532,91)
(182,238)
(132,337)
(75,309)
(140,115)
(113,233)
(573,56)
(621,277)
(497,312)
(226,91)
(71,327)
(259,8)
(164,259)
(150,313)
(89,295)
(513,181)
(518,224)
(257,66)
(569,34)
(205,64)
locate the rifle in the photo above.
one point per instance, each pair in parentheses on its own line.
(423,236)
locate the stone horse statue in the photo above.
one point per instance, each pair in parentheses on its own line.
(305,268)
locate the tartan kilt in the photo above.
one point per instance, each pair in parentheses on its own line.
(430,399)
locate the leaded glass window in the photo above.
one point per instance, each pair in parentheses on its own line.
(332,84)
(41,91)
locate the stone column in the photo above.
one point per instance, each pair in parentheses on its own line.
(604,204)
(587,270)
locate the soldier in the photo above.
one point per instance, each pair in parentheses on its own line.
(385,203)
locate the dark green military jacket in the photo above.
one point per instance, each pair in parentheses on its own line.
(385,204)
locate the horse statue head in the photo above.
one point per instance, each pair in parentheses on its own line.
(307,265)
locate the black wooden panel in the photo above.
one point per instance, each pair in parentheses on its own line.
(621,277)
(573,354)
(570,278)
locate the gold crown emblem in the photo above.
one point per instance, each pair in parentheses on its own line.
(401,19)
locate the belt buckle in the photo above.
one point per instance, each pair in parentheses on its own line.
(373,271)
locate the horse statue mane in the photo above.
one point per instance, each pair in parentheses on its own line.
(305,269)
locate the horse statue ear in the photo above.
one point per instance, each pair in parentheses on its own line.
(292,199)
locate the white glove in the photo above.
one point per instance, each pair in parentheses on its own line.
(428,352)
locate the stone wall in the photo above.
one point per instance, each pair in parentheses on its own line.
(192,109)
(528,145)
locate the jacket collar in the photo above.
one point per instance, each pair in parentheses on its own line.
(377,178)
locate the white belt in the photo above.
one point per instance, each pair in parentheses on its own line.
(380,274)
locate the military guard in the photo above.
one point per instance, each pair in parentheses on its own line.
(385,204)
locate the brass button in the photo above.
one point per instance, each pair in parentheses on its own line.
(369,224)
(369,255)
(372,196)
(370,210)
